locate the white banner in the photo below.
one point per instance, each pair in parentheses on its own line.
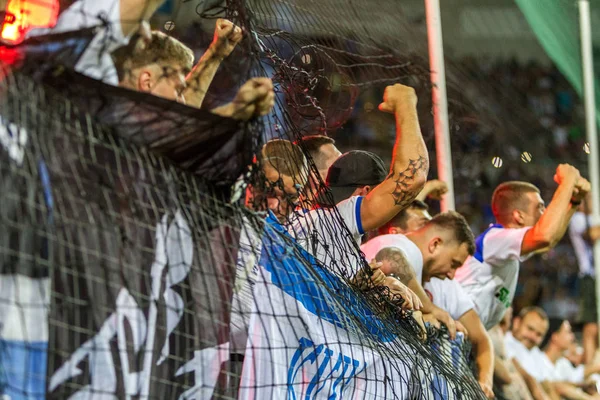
(300,347)
(293,354)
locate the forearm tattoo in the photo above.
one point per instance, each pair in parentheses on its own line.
(399,266)
(405,192)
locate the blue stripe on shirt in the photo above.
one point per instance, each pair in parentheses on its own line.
(479,243)
(357,215)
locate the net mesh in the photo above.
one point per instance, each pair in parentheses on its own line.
(131,266)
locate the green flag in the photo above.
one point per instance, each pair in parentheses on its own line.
(556,25)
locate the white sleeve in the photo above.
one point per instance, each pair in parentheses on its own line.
(502,244)
(577,374)
(349,210)
(577,225)
(450,296)
(568,372)
(532,363)
(512,347)
(89,13)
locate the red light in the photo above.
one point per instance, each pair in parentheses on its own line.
(24,15)
(9,18)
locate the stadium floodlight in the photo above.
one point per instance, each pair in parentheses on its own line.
(21,16)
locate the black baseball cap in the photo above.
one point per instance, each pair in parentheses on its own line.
(354,169)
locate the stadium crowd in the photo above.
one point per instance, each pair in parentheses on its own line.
(449,275)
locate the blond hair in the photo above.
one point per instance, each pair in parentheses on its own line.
(162,49)
(286,157)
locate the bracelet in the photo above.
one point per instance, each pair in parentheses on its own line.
(575,203)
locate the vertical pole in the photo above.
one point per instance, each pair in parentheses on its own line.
(440,102)
(590,118)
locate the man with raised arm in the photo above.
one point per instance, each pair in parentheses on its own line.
(524,227)
(159,67)
(149,64)
(365,197)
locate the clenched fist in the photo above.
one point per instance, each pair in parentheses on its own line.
(566,173)
(398,97)
(227,36)
(254,99)
(582,188)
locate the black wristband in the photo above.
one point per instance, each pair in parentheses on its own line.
(576,203)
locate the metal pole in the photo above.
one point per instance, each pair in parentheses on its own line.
(590,118)
(440,102)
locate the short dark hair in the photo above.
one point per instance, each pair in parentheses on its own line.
(162,49)
(554,326)
(455,222)
(286,157)
(509,196)
(535,310)
(399,221)
(312,145)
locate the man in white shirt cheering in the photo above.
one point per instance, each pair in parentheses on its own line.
(365,196)
(524,227)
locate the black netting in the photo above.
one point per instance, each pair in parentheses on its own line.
(135,263)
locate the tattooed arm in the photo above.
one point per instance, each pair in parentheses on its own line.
(393,262)
(410,161)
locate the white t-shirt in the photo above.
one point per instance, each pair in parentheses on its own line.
(321,233)
(547,369)
(490,275)
(568,372)
(405,245)
(561,371)
(584,252)
(96,61)
(530,360)
(450,296)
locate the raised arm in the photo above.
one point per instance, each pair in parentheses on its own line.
(133,12)
(410,161)
(434,189)
(552,225)
(226,37)
(254,99)
(594,233)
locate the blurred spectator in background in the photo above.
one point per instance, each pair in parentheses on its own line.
(528,331)
(583,235)
(556,369)
(508,383)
